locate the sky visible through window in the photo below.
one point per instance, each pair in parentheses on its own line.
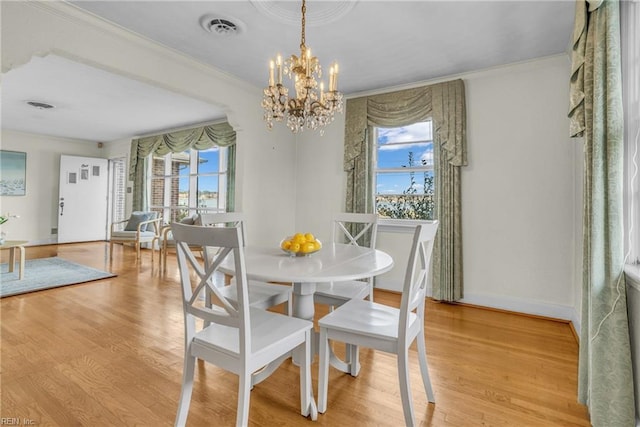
(393,149)
(208,163)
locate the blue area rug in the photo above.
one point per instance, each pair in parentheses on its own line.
(46,273)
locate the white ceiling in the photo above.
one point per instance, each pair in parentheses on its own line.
(378,44)
(92,104)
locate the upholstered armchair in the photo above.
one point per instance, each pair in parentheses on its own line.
(141,227)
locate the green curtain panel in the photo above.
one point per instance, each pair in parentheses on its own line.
(231,178)
(200,138)
(605,372)
(444,103)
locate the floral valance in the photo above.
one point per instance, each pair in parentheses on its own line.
(200,138)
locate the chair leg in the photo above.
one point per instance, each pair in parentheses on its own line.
(307,404)
(323,371)
(187,388)
(208,294)
(290,305)
(163,256)
(424,367)
(354,359)
(405,387)
(137,250)
(244,394)
(111,249)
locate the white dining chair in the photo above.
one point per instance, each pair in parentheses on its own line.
(384,328)
(261,295)
(359,229)
(240,339)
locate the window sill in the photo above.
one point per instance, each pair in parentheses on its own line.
(399,225)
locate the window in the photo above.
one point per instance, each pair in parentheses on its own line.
(189,182)
(403,172)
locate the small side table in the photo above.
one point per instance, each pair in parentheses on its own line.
(12,245)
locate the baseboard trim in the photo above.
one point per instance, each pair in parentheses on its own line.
(54,242)
(520,305)
(554,312)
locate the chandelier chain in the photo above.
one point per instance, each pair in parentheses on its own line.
(304,24)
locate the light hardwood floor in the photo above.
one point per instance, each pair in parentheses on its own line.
(109,353)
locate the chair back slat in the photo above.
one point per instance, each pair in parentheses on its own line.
(417,274)
(206,277)
(355,229)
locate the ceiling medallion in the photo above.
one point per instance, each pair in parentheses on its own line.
(287,12)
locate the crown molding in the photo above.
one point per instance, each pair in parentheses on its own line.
(76,15)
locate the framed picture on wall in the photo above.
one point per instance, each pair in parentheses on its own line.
(13,173)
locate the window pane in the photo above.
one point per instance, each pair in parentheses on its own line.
(158,166)
(157,192)
(183,190)
(404,183)
(183,183)
(208,192)
(208,160)
(415,132)
(409,155)
(180,163)
(407,193)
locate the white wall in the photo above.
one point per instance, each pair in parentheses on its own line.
(518,192)
(265,187)
(320,190)
(38,209)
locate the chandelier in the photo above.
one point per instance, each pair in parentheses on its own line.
(310,108)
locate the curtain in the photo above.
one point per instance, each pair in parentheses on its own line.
(200,138)
(444,103)
(231,178)
(605,372)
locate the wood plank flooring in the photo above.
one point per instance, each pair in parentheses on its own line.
(110,352)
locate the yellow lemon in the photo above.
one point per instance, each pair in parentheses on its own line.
(286,244)
(295,247)
(299,238)
(308,247)
(310,237)
(316,245)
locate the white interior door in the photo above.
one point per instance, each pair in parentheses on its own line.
(82,203)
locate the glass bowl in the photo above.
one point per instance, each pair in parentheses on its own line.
(300,252)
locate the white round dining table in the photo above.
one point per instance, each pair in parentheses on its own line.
(333,263)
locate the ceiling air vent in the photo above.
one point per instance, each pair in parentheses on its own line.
(220,26)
